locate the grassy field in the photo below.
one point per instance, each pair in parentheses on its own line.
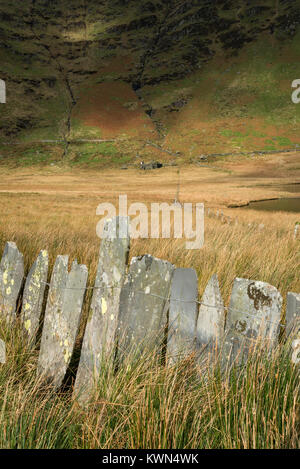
(148,406)
(54,208)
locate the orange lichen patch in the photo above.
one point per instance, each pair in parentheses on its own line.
(114,108)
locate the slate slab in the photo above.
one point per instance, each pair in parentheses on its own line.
(253,317)
(211,318)
(11,280)
(33,295)
(62,318)
(183,314)
(100,333)
(143,305)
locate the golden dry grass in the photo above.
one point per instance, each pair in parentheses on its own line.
(55,209)
(149,406)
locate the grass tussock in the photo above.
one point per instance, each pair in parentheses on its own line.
(147,405)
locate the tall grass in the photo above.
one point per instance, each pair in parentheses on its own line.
(147,405)
(66,224)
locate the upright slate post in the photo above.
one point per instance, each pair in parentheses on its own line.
(182,314)
(253,317)
(292,314)
(292,328)
(2,352)
(100,333)
(211,319)
(33,295)
(62,318)
(11,279)
(143,306)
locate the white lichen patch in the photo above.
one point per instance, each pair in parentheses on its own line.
(67,355)
(27,325)
(5,276)
(103,306)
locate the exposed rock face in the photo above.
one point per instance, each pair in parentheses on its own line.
(152,165)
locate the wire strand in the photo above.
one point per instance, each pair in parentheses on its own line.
(179,300)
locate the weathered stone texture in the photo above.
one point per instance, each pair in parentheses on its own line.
(253,315)
(33,295)
(182,314)
(11,279)
(62,318)
(211,318)
(100,333)
(2,352)
(143,305)
(292,313)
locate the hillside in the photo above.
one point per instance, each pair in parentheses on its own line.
(193,77)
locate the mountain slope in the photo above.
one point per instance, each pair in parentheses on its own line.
(194,76)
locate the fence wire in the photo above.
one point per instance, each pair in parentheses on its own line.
(179,300)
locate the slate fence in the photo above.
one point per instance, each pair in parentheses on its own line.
(148,305)
(226,219)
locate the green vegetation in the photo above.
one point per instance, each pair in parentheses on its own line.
(75,154)
(247,139)
(81,131)
(241,91)
(92,154)
(32,156)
